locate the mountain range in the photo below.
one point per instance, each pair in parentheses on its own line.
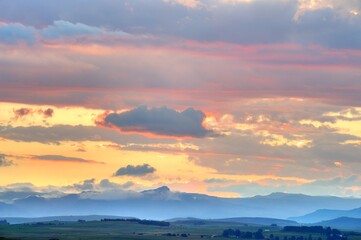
(327,214)
(162,203)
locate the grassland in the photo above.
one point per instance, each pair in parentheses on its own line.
(127,230)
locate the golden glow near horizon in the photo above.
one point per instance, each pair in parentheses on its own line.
(100,159)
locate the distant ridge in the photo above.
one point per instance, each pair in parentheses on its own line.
(327,214)
(260,221)
(343,223)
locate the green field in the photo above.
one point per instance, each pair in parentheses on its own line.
(128,230)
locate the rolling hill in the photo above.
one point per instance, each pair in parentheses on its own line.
(343,223)
(327,214)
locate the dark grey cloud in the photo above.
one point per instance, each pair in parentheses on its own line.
(139,170)
(63,158)
(4,162)
(161,121)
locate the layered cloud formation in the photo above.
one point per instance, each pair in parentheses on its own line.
(243,97)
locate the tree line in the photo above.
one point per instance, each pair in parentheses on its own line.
(312,229)
(140,221)
(236,233)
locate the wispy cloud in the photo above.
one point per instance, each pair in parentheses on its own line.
(60,158)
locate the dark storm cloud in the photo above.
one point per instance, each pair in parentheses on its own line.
(139,170)
(161,121)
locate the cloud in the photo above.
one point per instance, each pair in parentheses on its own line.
(252,141)
(338,186)
(186,3)
(58,133)
(23,112)
(190,77)
(86,185)
(63,159)
(108,185)
(93,187)
(160,121)
(64,29)
(343,8)
(139,170)
(13,33)
(48,113)
(4,162)
(88,188)
(323,22)
(217,181)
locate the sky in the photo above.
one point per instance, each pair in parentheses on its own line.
(230,98)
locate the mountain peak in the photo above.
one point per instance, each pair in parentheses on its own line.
(283,194)
(162,189)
